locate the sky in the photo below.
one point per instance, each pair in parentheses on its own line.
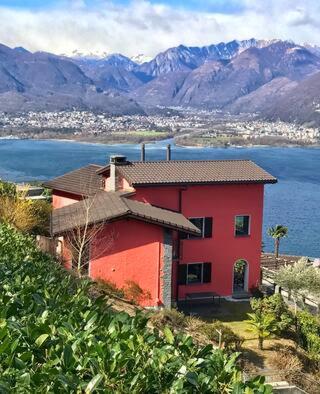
(133,27)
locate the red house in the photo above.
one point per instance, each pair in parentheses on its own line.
(177,227)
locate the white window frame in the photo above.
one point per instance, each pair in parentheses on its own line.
(195,283)
(235,226)
(202,230)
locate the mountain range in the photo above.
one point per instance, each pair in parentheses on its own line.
(275,79)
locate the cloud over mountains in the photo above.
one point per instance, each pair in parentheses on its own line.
(146,26)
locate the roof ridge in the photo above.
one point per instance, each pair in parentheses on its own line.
(123,198)
(150,205)
(72,171)
(134,162)
(186,161)
(93,164)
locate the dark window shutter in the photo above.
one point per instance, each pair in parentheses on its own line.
(208,228)
(182,274)
(246,224)
(206,272)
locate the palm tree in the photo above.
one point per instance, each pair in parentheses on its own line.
(262,325)
(277,233)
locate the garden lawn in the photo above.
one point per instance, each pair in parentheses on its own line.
(231,313)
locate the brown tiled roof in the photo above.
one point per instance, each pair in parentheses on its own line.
(108,206)
(193,172)
(83,181)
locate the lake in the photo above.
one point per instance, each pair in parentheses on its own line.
(294,201)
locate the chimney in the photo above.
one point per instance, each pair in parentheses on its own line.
(143,152)
(168,152)
(115,160)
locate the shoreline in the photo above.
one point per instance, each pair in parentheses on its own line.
(197,146)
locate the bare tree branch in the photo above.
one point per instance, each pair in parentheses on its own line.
(85,241)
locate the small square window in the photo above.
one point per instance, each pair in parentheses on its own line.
(242,225)
(194,274)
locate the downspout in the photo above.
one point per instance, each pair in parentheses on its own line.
(179,244)
(158,277)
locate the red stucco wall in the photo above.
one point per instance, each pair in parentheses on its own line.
(222,203)
(61,199)
(134,252)
(165,197)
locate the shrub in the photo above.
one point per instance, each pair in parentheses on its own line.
(7,189)
(193,323)
(134,293)
(286,359)
(313,346)
(262,324)
(275,306)
(308,329)
(222,334)
(109,287)
(256,292)
(41,210)
(25,215)
(168,317)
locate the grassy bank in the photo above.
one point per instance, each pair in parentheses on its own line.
(55,338)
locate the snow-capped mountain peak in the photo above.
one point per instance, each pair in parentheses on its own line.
(141,58)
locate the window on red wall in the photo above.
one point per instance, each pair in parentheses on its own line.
(194,273)
(204,224)
(242,225)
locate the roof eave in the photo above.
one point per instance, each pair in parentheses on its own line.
(106,221)
(60,189)
(147,184)
(137,217)
(164,224)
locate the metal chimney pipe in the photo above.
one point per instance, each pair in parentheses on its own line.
(143,152)
(168,152)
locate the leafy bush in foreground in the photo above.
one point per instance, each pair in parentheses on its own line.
(54,338)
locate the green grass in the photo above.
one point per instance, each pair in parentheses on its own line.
(241,328)
(233,314)
(147,133)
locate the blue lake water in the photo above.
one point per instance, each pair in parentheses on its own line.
(294,201)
